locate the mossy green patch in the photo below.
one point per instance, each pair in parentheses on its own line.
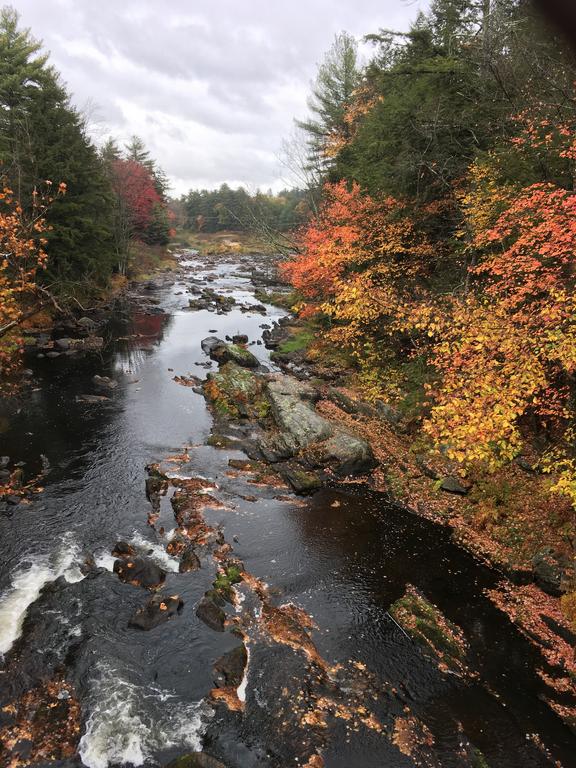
(426,625)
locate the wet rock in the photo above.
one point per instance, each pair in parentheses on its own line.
(123,549)
(300,424)
(223,441)
(210,343)
(139,571)
(240,338)
(230,668)
(196,760)
(157,610)
(236,392)
(453,485)
(104,382)
(52,355)
(302,481)
(4,461)
(211,614)
(346,453)
(222,353)
(189,561)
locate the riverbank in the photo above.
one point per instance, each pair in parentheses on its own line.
(200,605)
(509,520)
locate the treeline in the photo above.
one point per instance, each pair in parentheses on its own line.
(108,198)
(235,209)
(446,240)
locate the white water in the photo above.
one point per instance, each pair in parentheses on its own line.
(241,690)
(127,724)
(155,552)
(27,583)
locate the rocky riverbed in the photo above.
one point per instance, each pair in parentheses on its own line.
(199,583)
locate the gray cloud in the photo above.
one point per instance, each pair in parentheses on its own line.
(212,86)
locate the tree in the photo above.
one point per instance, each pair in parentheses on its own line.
(43,137)
(22,243)
(337,79)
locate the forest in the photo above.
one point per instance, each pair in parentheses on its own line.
(442,255)
(288,471)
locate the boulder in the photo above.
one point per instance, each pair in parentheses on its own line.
(453,485)
(230,668)
(240,338)
(550,571)
(302,481)
(347,454)
(211,614)
(298,421)
(63,344)
(222,353)
(123,549)
(156,611)
(209,343)
(139,571)
(236,392)
(189,561)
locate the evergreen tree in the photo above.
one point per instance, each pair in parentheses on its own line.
(43,137)
(338,77)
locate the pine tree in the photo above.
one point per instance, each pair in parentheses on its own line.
(43,137)
(337,79)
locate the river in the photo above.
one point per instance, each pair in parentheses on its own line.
(344,556)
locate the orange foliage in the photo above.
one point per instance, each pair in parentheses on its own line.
(22,247)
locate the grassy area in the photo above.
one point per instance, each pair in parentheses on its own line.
(144,260)
(212,243)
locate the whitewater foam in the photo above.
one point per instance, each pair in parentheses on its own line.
(27,582)
(155,552)
(128,723)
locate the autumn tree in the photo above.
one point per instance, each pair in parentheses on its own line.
(23,238)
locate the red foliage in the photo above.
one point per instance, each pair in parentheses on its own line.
(134,185)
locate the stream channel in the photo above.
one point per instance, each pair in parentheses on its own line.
(343,555)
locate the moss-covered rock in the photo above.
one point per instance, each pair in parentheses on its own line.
(425,624)
(234,392)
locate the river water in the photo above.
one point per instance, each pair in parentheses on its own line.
(344,557)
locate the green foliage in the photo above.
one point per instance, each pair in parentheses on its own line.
(43,137)
(332,94)
(234,209)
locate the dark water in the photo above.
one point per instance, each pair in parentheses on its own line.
(142,692)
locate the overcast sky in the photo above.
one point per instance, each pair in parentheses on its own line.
(212,86)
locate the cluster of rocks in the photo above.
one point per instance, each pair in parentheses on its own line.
(220,303)
(65,340)
(304,447)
